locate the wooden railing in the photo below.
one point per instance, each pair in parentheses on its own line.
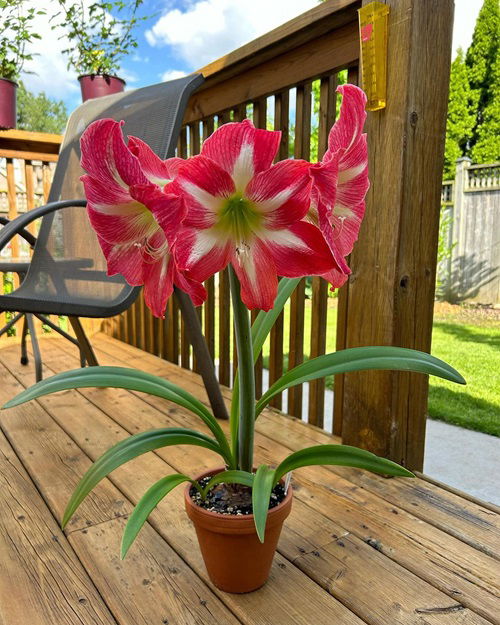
(286,80)
(27,160)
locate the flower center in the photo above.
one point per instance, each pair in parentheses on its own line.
(239,219)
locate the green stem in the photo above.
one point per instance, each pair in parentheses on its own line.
(246,375)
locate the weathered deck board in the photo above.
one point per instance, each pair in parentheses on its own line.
(343,548)
(42,580)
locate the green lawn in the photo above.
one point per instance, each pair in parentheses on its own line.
(466,338)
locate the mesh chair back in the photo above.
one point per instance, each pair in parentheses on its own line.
(68,266)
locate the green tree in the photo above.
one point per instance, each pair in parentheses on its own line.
(483,73)
(460,115)
(487,147)
(39,113)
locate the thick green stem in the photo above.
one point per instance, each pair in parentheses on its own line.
(246,375)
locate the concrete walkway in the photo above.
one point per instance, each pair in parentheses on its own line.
(467,460)
(464,459)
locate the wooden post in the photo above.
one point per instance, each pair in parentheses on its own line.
(390,294)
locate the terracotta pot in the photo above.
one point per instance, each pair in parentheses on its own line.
(8,115)
(94,86)
(236,560)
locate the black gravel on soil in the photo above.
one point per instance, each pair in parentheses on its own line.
(234,499)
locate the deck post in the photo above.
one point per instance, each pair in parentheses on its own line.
(390,294)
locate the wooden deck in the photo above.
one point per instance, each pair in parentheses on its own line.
(356,549)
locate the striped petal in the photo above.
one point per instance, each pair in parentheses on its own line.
(202,253)
(281,193)
(256,272)
(299,250)
(204,186)
(155,169)
(242,150)
(157,274)
(167,209)
(106,158)
(349,125)
(124,259)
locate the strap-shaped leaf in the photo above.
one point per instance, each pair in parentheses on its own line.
(229,477)
(261,494)
(343,455)
(146,505)
(361,359)
(131,379)
(265,320)
(260,331)
(128,449)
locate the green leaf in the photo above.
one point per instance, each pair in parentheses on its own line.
(265,320)
(146,505)
(361,359)
(128,449)
(131,379)
(342,455)
(261,494)
(229,477)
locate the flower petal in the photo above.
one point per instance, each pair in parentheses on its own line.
(158,278)
(202,253)
(204,186)
(256,272)
(105,156)
(125,259)
(155,169)
(349,125)
(167,208)
(118,229)
(194,289)
(299,250)
(281,192)
(242,150)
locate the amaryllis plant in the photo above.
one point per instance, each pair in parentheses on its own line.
(178,222)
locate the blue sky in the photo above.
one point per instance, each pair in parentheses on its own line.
(184,35)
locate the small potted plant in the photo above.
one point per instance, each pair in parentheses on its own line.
(15,34)
(180,221)
(99,35)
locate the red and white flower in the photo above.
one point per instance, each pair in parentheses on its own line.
(134,214)
(340,182)
(242,209)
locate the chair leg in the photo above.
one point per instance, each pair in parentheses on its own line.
(203,358)
(11,323)
(24,348)
(34,343)
(86,351)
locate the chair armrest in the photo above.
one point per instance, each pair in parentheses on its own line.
(17,225)
(27,236)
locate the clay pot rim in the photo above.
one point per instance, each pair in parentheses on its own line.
(275,515)
(10,80)
(92,76)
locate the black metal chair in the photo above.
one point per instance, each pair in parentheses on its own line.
(67,272)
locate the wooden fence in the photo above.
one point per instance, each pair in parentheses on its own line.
(471,205)
(286,80)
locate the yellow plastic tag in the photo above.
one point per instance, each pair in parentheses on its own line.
(373,40)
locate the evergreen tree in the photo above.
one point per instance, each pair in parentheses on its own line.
(460,115)
(39,113)
(487,147)
(483,73)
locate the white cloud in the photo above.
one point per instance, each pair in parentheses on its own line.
(466,12)
(208,29)
(172,74)
(49,64)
